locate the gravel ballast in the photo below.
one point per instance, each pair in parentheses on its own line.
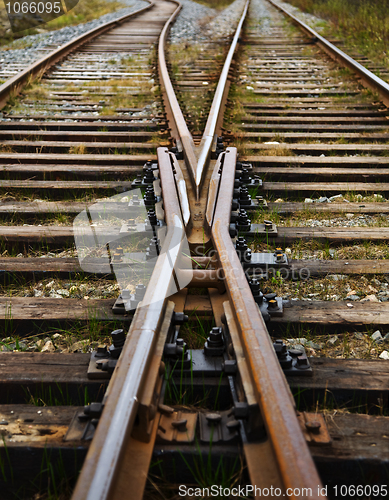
(54,39)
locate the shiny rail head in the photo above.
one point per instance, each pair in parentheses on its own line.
(116,236)
(214,117)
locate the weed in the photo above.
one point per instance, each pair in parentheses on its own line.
(56,395)
(364,24)
(78,150)
(205,473)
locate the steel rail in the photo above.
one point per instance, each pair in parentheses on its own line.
(178,126)
(368,79)
(121,401)
(216,107)
(294,460)
(100,469)
(101,466)
(37,69)
(196,158)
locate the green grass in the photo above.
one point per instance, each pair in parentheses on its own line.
(215,4)
(364,24)
(55,396)
(205,468)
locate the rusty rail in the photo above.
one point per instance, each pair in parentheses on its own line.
(368,79)
(292,457)
(14,85)
(97,478)
(215,114)
(197,158)
(285,447)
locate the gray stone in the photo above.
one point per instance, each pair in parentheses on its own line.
(336,277)
(376,336)
(80,346)
(332,341)
(359,336)
(336,197)
(48,347)
(301,340)
(384,355)
(299,347)
(313,345)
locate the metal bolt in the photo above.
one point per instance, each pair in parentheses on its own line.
(168,410)
(313,426)
(260,200)
(243,218)
(180,425)
(279,346)
(101,352)
(229,366)
(245,177)
(272,305)
(233,425)
(135,200)
(215,338)
(150,198)
(244,197)
(138,180)
(152,217)
(279,258)
(140,291)
(295,352)
(153,249)
(215,335)
(179,318)
(242,249)
(302,361)
(117,257)
(149,176)
(255,290)
(131,225)
(118,337)
(213,418)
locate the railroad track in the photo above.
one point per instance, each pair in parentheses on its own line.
(199,390)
